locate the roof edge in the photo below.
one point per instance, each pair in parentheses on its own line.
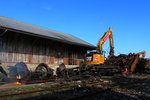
(42,36)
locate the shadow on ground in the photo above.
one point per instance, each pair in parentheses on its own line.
(87,93)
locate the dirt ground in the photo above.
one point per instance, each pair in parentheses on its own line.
(118,87)
(128,87)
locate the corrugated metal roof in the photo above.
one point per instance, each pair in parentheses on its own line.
(42,32)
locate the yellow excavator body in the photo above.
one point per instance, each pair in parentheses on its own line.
(95,59)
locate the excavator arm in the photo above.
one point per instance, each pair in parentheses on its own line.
(142,53)
(132,60)
(101,42)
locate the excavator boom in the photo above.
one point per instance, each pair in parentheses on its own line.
(101,42)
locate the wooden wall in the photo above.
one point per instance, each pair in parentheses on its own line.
(16,47)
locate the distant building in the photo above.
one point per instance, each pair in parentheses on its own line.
(22,42)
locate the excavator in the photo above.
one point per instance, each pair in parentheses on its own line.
(98,57)
(123,63)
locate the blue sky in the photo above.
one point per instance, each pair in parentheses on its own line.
(89,19)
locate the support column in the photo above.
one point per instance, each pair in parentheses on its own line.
(52,60)
(66,61)
(77,62)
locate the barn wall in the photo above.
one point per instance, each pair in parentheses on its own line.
(15,47)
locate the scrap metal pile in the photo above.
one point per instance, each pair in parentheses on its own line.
(122,64)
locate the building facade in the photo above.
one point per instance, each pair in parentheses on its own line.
(22,42)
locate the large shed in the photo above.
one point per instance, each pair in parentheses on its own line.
(22,42)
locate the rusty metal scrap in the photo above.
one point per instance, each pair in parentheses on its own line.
(122,63)
(131,62)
